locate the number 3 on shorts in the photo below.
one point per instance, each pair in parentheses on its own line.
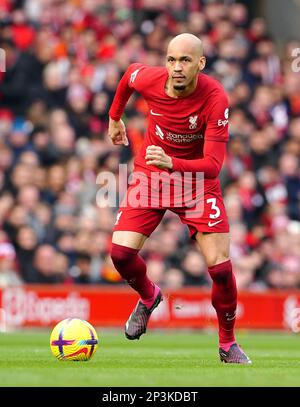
(214,207)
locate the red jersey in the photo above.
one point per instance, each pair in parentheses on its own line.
(193,130)
(181,126)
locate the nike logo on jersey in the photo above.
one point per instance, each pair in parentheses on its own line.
(211,224)
(155,114)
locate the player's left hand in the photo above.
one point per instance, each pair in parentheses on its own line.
(155,155)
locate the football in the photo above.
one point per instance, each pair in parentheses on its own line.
(73,339)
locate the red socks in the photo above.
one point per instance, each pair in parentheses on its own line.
(132,268)
(224,300)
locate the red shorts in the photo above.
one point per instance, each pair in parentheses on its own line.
(209,215)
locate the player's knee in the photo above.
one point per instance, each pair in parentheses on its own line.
(217,258)
(121,255)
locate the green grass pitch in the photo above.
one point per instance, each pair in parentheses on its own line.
(160,358)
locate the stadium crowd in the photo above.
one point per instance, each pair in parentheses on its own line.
(63,62)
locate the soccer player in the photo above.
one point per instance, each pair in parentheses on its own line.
(187,133)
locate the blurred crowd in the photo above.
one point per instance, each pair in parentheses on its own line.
(64,60)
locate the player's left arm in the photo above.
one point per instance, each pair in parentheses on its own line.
(210,164)
(215,138)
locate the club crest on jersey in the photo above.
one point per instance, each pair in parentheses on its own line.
(193,122)
(133,75)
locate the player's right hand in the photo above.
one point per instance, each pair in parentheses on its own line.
(117,132)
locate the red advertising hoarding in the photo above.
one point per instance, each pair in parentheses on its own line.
(34,305)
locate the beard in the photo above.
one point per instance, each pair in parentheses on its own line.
(179,87)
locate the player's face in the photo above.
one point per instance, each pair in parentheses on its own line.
(183,68)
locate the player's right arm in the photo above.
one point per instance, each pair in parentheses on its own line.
(116,127)
(117,132)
